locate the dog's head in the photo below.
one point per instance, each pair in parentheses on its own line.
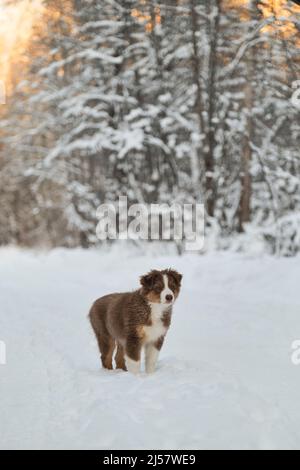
(161,287)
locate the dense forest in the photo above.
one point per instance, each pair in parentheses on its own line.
(163,101)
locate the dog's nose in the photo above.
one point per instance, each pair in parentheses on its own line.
(169,298)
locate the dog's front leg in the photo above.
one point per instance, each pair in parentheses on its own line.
(151,357)
(133,354)
(151,354)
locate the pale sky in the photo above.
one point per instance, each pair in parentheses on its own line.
(15,29)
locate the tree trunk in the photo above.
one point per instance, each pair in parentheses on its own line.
(213,32)
(246,179)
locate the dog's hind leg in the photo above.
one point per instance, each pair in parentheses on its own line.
(120,359)
(107,346)
(105,342)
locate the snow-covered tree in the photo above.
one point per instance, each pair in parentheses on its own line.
(178,100)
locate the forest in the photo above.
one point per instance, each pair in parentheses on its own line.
(162,101)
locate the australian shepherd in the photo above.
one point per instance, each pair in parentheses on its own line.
(136,320)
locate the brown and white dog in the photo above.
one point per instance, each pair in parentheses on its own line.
(136,320)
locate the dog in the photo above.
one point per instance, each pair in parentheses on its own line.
(134,321)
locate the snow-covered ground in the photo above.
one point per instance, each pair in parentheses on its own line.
(225,377)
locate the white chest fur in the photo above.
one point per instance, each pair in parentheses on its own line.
(157,329)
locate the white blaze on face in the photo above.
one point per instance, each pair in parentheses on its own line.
(166,291)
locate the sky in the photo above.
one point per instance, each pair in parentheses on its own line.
(15,30)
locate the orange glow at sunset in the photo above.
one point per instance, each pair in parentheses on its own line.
(18,19)
(150,21)
(282,13)
(15,31)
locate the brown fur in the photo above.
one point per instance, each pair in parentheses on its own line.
(119,319)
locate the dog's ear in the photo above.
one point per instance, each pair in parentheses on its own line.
(148,280)
(176,276)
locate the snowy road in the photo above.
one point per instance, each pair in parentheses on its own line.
(225,376)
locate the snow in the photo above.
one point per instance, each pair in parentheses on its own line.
(225,378)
